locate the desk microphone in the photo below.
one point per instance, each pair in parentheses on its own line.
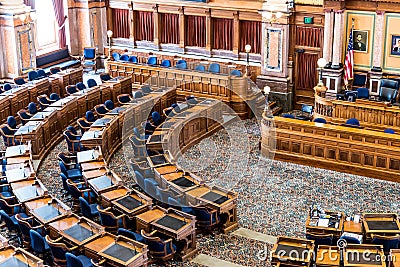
(93,154)
(91,227)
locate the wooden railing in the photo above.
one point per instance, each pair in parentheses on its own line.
(353,150)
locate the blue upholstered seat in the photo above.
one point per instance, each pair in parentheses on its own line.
(100,109)
(72,174)
(109,104)
(137,94)
(236,73)
(54,97)
(152,60)
(124,58)
(133,59)
(131,235)
(116,56)
(105,77)
(12,122)
(181,64)
(150,187)
(32,109)
(214,68)
(159,248)
(166,63)
(89,115)
(71,89)
(41,74)
(289,116)
(200,68)
(7,87)
(389,131)
(32,75)
(38,243)
(156,118)
(123,99)
(77,261)
(146,89)
(388,242)
(320,239)
(19,81)
(88,210)
(91,83)
(353,121)
(363,93)
(80,86)
(320,120)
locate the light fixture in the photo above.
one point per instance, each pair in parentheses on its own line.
(109,35)
(267,90)
(321,65)
(22,17)
(247,48)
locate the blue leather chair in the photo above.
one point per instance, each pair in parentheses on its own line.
(74,133)
(71,89)
(152,60)
(362,93)
(77,261)
(388,90)
(359,80)
(181,64)
(139,180)
(12,122)
(79,189)
(25,225)
(54,97)
(7,87)
(58,250)
(353,122)
(11,224)
(110,221)
(116,56)
(236,73)
(123,99)
(19,81)
(69,161)
(55,70)
(206,218)
(8,135)
(72,173)
(44,101)
(80,86)
(200,68)
(133,59)
(351,96)
(109,105)
(132,235)
(146,89)
(24,116)
(175,203)
(32,109)
(105,76)
(150,187)
(159,248)
(288,116)
(83,125)
(88,210)
(124,58)
(41,74)
(91,83)
(32,75)
(137,94)
(388,242)
(166,63)
(214,68)
(100,110)
(320,120)
(38,243)
(89,115)
(89,58)
(74,145)
(156,118)
(350,239)
(389,131)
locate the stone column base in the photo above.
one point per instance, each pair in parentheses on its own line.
(333,81)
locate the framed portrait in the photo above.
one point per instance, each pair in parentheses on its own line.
(360,41)
(395,47)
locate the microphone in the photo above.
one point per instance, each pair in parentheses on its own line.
(93,154)
(58,208)
(91,227)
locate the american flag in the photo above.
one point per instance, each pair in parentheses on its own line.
(349,61)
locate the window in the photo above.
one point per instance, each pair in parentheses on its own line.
(46,27)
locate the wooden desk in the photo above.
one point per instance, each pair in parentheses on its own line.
(16,175)
(364,255)
(92,138)
(17,151)
(331,229)
(18,160)
(33,131)
(394,258)
(144,219)
(75,230)
(132,204)
(294,251)
(107,197)
(93,173)
(88,156)
(47,209)
(381,224)
(104,183)
(11,257)
(327,256)
(28,190)
(352,227)
(93,165)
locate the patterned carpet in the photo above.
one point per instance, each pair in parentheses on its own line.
(274,196)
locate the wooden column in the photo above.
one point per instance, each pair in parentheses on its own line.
(109,18)
(156,19)
(132,23)
(338,39)
(208,31)
(378,39)
(236,33)
(182,30)
(328,30)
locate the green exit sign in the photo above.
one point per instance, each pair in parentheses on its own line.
(308,20)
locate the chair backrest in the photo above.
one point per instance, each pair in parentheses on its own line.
(359,80)
(107,218)
(32,109)
(89,52)
(139,179)
(81,86)
(24,226)
(89,115)
(150,187)
(41,74)
(133,59)
(200,68)
(12,122)
(181,64)
(63,169)
(43,101)
(351,96)
(19,81)
(320,120)
(72,260)
(363,93)
(157,247)
(390,84)
(7,87)
(55,70)
(124,58)
(388,242)
(38,243)
(109,104)
(123,99)
(71,89)
(91,83)
(58,250)
(85,208)
(350,239)
(214,68)
(105,76)
(173,202)
(54,97)
(64,182)
(32,75)
(388,94)
(320,239)
(389,131)
(100,109)
(236,73)
(156,118)
(116,56)
(289,116)
(152,60)
(166,63)
(353,121)
(146,89)
(138,94)
(130,234)
(72,129)
(6,218)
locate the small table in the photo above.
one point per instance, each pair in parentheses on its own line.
(88,155)
(17,151)
(132,204)
(380,224)
(296,251)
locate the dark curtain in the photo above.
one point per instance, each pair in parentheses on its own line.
(30,3)
(169,28)
(196,31)
(307,68)
(223,33)
(60,18)
(144,26)
(308,36)
(121,24)
(250,33)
